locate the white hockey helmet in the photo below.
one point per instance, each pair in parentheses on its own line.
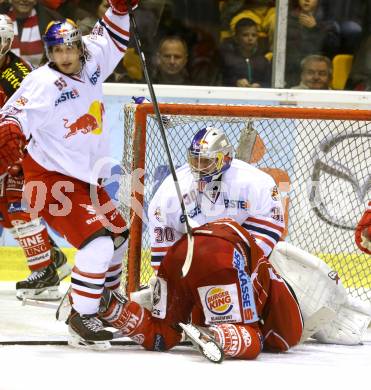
(210,154)
(6,34)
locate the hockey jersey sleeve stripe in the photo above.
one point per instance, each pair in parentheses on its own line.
(279,227)
(120,40)
(275,236)
(160,249)
(267,249)
(266,240)
(116,27)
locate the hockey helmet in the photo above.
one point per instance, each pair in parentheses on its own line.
(6,34)
(210,154)
(63,32)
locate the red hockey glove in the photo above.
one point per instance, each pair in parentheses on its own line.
(120,7)
(12,143)
(363,231)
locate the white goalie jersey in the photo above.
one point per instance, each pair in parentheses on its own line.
(245,193)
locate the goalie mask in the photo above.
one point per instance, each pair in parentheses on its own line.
(210,154)
(64,32)
(6,34)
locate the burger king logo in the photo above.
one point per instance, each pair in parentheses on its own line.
(218,301)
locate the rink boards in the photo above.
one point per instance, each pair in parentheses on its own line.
(13,266)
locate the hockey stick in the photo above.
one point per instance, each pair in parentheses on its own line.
(36,303)
(188,260)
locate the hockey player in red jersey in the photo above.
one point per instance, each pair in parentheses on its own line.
(59,109)
(247,306)
(40,250)
(363,231)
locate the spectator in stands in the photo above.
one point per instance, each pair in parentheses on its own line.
(30,20)
(243,62)
(262,12)
(316,73)
(360,75)
(348,17)
(197,22)
(307,34)
(172,57)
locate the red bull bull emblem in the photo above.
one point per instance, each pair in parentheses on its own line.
(84,124)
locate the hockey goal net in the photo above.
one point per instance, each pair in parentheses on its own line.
(320,159)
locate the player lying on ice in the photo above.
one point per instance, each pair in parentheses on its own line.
(59,110)
(247,306)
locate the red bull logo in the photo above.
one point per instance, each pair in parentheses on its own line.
(84,124)
(218,301)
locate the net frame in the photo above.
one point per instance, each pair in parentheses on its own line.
(136,121)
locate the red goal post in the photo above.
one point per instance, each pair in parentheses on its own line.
(318,157)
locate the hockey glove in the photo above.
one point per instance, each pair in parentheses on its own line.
(363,231)
(120,7)
(12,143)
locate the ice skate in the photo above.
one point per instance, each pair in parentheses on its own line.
(41,285)
(87,331)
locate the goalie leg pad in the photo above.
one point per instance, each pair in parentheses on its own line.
(238,341)
(317,286)
(349,326)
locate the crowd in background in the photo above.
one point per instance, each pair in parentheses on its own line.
(218,43)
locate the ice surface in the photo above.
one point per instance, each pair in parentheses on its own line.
(129,367)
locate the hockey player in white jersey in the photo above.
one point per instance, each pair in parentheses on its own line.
(215,185)
(45,260)
(59,110)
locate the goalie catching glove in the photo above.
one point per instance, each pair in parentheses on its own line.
(121,7)
(363,231)
(12,143)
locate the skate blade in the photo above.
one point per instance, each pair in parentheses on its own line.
(64,271)
(48,294)
(204,343)
(75,341)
